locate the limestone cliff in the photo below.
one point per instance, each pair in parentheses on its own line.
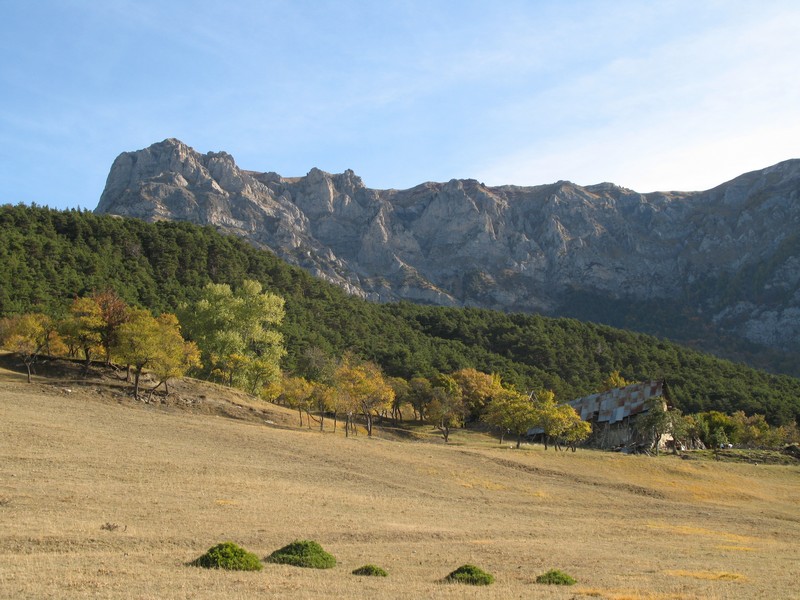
(726,259)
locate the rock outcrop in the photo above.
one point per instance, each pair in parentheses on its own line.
(727,258)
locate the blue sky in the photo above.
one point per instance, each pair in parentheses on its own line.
(669,95)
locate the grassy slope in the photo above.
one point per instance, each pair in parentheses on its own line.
(178,481)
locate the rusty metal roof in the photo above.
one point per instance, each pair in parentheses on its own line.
(616,404)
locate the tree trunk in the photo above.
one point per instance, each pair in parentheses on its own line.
(368,421)
(28,367)
(519,439)
(87,352)
(445,430)
(136,382)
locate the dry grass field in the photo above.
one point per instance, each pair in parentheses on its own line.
(103,497)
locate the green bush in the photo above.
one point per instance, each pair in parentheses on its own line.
(470,574)
(228,555)
(303,553)
(371,570)
(555,577)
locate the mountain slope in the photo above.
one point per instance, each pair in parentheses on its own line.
(47,258)
(720,268)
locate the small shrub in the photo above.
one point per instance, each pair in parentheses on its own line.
(371,570)
(228,555)
(471,575)
(303,553)
(555,577)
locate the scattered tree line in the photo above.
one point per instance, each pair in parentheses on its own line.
(53,257)
(232,339)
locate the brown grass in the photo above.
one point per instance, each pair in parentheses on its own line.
(106,497)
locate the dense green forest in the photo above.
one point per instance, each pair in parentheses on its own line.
(49,257)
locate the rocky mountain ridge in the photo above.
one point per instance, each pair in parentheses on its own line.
(718,267)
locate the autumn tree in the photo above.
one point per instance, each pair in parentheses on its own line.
(82,328)
(547,416)
(477,390)
(236,333)
(296,392)
(138,343)
(614,380)
(28,336)
(349,384)
(378,395)
(113,312)
(177,356)
(576,429)
(559,422)
(512,412)
(446,408)
(155,343)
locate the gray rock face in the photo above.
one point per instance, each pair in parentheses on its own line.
(729,256)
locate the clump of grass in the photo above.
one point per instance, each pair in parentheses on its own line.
(303,553)
(471,575)
(371,570)
(556,577)
(228,555)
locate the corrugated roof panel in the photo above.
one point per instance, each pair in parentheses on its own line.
(618,403)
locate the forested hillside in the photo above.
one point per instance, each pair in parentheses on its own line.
(47,258)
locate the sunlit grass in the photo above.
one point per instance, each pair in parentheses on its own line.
(177,482)
(710,575)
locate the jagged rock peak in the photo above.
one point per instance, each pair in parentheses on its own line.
(534,248)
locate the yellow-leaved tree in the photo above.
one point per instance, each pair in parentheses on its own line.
(614,380)
(82,329)
(477,389)
(154,343)
(361,386)
(29,336)
(512,412)
(560,422)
